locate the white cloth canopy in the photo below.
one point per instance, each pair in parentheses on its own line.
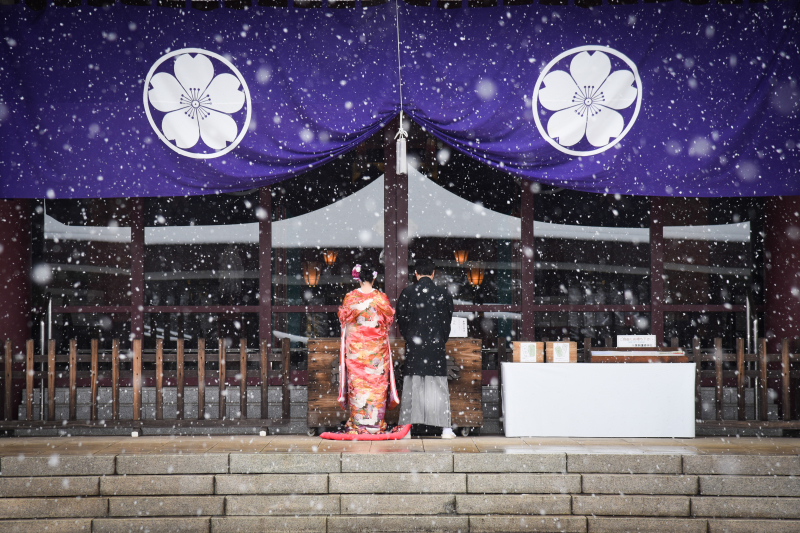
(357,221)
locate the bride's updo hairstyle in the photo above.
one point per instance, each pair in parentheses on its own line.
(364,272)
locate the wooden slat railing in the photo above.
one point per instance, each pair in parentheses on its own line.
(760,376)
(136,377)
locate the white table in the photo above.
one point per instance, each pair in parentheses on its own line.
(598,399)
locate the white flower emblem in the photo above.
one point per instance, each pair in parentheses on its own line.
(197,104)
(587,100)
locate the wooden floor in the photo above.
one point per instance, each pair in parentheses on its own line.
(44,446)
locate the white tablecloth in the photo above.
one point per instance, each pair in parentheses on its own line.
(598,400)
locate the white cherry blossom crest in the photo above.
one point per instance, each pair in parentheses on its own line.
(197,104)
(586,100)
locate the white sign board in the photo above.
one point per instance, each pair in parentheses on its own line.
(458,327)
(527,352)
(636,341)
(560,352)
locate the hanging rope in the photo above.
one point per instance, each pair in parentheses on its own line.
(401,133)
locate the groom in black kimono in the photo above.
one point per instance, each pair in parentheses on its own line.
(424,313)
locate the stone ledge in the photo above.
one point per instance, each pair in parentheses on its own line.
(57,465)
(398,504)
(750,526)
(524,483)
(514,524)
(397,483)
(749,486)
(514,504)
(156,485)
(602,463)
(285,463)
(277,524)
(285,504)
(50,526)
(743,465)
(631,505)
(41,487)
(151,525)
(272,484)
(369,524)
(166,506)
(647,525)
(501,462)
(638,484)
(399,462)
(211,463)
(732,507)
(53,508)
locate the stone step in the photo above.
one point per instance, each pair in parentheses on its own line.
(472,523)
(345,492)
(641,466)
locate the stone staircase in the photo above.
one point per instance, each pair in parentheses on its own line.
(351,492)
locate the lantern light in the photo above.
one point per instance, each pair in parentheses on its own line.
(461,256)
(475,274)
(311,273)
(330,257)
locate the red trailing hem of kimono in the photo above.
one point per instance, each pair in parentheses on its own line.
(393,399)
(398,433)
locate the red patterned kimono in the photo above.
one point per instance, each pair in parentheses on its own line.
(365,361)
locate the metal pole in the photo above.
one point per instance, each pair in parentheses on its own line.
(50,317)
(747,312)
(43,351)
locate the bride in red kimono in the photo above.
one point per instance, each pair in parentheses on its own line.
(366,381)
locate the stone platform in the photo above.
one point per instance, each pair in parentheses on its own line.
(475,484)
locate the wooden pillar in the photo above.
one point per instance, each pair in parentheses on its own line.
(221,381)
(114,379)
(740,370)
(265,264)
(782,272)
(51,379)
(786,381)
(93,382)
(243,378)
(137,268)
(527,262)
(201,379)
(657,269)
(15,289)
(718,381)
(7,369)
(29,379)
(264,352)
(180,374)
(390,216)
(286,348)
(763,408)
(137,379)
(160,378)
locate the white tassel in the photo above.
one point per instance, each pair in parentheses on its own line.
(401,160)
(402,163)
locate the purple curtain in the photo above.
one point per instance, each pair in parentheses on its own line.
(665,99)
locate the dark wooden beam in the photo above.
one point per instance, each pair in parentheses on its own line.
(527,262)
(657,269)
(137,268)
